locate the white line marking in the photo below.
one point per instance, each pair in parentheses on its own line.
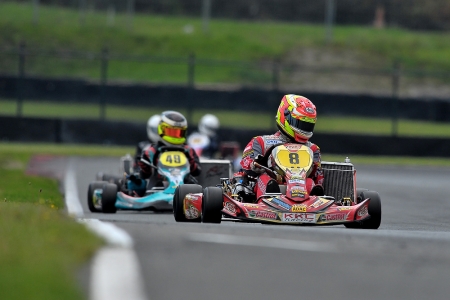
(115,273)
(114,235)
(261,242)
(73,205)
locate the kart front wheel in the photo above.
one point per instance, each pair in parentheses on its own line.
(212,205)
(374,221)
(178,198)
(109,197)
(93,205)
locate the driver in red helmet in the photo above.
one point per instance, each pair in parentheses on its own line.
(296,117)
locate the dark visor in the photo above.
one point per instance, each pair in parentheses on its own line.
(300,124)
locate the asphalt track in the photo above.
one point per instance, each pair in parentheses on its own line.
(408,257)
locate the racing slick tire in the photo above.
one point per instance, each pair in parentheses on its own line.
(109,198)
(180,192)
(110,178)
(359,198)
(374,211)
(90,195)
(212,205)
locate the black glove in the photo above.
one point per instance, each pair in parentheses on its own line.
(259,159)
(135,179)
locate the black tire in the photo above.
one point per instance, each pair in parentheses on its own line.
(180,192)
(109,198)
(112,179)
(212,205)
(90,195)
(374,211)
(358,194)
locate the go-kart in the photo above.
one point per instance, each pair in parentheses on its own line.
(297,201)
(132,193)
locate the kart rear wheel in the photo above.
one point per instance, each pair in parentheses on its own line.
(90,196)
(374,211)
(109,197)
(212,205)
(110,178)
(358,194)
(178,207)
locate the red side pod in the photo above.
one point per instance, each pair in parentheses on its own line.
(363,210)
(192,206)
(230,207)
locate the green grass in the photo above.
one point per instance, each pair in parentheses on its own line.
(163,36)
(231,119)
(41,248)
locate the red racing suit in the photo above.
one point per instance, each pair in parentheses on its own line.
(148,155)
(261,144)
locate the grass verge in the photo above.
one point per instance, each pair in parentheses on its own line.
(41,248)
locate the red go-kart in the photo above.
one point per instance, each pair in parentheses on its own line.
(297,201)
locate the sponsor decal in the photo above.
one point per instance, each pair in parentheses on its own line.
(318,203)
(230,207)
(298,208)
(341,208)
(332,217)
(262,214)
(250,205)
(299,217)
(363,211)
(293,147)
(296,180)
(192,197)
(191,212)
(272,142)
(280,203)
(309,110)
(298,193)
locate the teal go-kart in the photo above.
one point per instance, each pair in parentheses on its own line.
(132,193)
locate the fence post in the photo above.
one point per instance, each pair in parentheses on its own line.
(103,78)
(395,97)
(330,13)
(130,14)
(20,81)
(82,12)
(206,14)
(35,12)
(191,75)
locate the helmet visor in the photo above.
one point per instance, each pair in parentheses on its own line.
(175,132)
(304,124)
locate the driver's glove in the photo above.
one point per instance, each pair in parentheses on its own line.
(135,179)
(258,159)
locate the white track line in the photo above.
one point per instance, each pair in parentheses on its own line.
(261,242)
(115,273)
(73,205)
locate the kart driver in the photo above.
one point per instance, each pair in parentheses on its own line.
(153,137)
(205,141)
(295,118)
(172,130)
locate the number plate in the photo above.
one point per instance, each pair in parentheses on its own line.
(173,159)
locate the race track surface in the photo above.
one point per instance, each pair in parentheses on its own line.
(408,257)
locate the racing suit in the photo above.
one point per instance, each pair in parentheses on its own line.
(137,156)
(148,157)
(259,145)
